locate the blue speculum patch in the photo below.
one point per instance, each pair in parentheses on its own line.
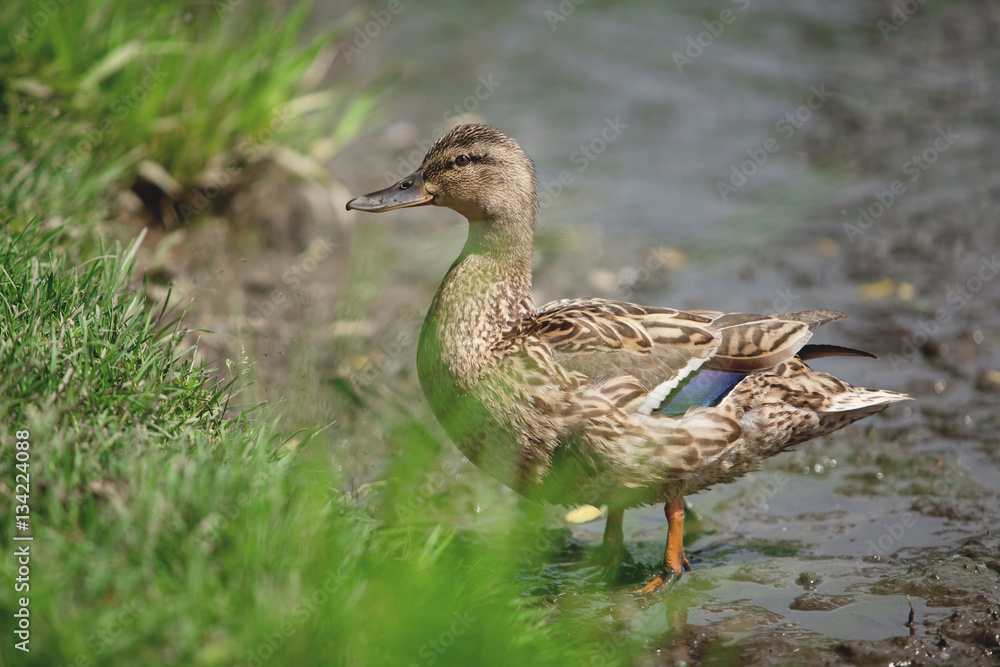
(706,389)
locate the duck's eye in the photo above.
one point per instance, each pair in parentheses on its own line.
(463,160)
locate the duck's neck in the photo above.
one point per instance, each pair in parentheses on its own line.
(485,296)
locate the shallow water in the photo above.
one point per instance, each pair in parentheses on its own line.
(680,128)
(905,503)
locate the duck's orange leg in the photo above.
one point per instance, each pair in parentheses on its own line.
(673,557)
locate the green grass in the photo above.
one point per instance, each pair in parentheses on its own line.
(183,94)
(169,533)
(172,525)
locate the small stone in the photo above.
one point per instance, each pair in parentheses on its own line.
(988,380)
(809,580)
(816,602)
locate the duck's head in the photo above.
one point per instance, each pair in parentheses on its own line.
(474,169)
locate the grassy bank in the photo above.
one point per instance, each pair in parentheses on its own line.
(172,525)
(167,533)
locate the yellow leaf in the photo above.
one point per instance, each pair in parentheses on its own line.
(584,513)
(878,290)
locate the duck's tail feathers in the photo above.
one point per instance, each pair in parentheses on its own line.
(863,399)
(818,351)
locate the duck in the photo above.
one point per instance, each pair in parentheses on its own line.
(591,401)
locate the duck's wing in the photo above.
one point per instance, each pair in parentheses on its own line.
(640,357)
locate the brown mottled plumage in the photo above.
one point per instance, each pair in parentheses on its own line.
(565,403)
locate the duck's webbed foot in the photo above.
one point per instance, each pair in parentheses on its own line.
(674,561)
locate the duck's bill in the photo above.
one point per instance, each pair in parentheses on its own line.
(408,192)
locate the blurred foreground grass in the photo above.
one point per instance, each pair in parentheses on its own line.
(171,525)
(167,533)
(173,99)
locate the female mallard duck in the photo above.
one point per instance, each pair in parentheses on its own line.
(590,401)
